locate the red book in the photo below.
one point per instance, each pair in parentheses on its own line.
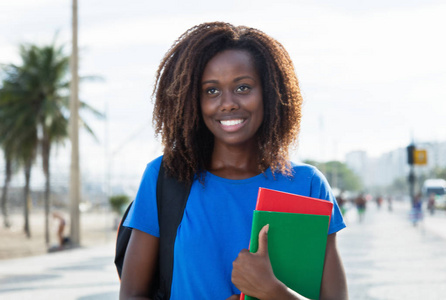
(271,200)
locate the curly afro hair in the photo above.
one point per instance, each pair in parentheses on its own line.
(187,142)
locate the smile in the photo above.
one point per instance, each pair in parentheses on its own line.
(231,122)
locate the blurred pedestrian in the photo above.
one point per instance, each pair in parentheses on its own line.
(62,240)
(341,202)
(60,227)
(416,213)
(379,201)
(389,203)
(431,203)
(361,202)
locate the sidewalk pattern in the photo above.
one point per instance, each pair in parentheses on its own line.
(386,257)
(82,274)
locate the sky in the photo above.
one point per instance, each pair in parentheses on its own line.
(372,73)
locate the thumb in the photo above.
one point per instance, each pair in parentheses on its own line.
(263,240)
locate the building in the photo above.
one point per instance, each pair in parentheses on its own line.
(383,170)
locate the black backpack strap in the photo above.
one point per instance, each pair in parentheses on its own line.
(122,240)
(171,197)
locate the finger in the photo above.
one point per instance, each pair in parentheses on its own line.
(263,240)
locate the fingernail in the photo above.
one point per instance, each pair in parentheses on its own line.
(267,228)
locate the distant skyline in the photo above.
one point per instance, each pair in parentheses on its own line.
(372,74)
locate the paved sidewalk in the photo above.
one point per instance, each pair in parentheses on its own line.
(386,257)
(85,273)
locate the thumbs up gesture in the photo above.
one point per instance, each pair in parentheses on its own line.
(252,272)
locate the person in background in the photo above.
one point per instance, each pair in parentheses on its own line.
(389,203)
(228,107)
(431,203)
(341,202)
(379,201)
(361,205)
(60,228)
(416,213)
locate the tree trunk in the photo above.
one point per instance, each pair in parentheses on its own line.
(27,202)
(8,172)
(46,170)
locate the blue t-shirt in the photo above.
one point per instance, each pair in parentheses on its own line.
(216,224)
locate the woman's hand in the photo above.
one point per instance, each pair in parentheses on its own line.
(253,275)
(234,297)
(252,272)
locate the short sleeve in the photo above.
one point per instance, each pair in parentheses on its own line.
(143,214)
(321,189)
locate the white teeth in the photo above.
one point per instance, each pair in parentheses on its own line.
(231,122)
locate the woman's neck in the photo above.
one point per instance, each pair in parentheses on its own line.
(235,162)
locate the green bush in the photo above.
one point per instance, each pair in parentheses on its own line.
(118,203)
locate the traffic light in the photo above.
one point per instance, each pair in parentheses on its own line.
(410,154)
(420,157)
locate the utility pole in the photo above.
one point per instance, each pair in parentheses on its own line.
(322,145)
(74,136)
(411,178)
(335,167)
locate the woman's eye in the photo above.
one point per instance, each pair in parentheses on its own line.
(211,91)
(243,88)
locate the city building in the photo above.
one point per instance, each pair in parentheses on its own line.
(383,170)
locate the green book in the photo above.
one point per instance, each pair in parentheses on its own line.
(296,247)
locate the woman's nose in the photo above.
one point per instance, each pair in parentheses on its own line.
(228,102)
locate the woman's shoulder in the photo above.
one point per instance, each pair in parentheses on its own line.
(303,169)
(298,171)
(306,171)
(155,163)
(153,167)
(316,179)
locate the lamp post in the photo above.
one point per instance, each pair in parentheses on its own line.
(411,178)
(74,136)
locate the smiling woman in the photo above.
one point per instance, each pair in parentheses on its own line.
(227,106)
(231,99)
(183,79)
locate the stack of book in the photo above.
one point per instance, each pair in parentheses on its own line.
(297,238)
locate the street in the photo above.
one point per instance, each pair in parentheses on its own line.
(385,257)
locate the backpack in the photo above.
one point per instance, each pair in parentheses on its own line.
(171,198)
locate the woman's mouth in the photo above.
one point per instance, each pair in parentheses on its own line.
(231,122)
(232,125)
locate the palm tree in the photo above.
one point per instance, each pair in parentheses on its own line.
(47,71)
(7,153)
(44,78)
(10,168)
(18,134)
(8,175)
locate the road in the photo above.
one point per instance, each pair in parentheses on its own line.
(385,257)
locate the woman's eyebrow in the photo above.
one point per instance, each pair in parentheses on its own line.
(235,79)
(209,81)
(243,77)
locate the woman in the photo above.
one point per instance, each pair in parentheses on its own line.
(227,107)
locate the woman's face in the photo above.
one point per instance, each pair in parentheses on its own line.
(231,98)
